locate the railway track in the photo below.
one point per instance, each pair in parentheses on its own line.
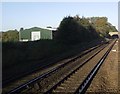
(77,82)
(36,74)
(49,63)
(42,83)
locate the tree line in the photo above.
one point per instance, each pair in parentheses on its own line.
(76,29)
(73,29)
(10,36)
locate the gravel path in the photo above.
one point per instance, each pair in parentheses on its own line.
(106,80)
(119,65)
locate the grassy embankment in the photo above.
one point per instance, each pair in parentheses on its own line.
(20,57)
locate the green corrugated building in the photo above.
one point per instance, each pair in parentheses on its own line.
(35,33)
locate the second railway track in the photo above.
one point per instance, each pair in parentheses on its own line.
(79,80)
(47,83)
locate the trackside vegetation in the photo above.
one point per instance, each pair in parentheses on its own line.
(10,36)
(76,30)
(73,34)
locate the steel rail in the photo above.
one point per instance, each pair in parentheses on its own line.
(85,84)
(61,81)
(27,84)
(53,60)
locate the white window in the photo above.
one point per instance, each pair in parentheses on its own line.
(35,35)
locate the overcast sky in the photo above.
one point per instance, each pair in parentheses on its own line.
(30,14)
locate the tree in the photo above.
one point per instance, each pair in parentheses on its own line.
(76,30)
(21,29)
(68,30)
(102,26)
(49,27)
(11,36)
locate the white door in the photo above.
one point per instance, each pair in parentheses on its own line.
(35,35)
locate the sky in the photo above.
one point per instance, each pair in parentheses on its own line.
(42,14)
(119,17)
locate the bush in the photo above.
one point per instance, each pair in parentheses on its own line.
(74,30)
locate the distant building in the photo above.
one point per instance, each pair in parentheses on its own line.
(34,34)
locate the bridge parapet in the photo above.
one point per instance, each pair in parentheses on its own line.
(113,33)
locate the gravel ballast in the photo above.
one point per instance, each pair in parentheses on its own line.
(106,80)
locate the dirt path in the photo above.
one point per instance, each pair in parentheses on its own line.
(106,80)
(119,65)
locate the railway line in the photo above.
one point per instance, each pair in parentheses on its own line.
(39,72)
(77,82)
(65,77)
(50,62)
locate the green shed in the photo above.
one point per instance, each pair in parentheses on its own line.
(35,33)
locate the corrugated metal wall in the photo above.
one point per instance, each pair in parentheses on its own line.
(26,34)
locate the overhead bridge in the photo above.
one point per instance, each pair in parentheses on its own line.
(114,34)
